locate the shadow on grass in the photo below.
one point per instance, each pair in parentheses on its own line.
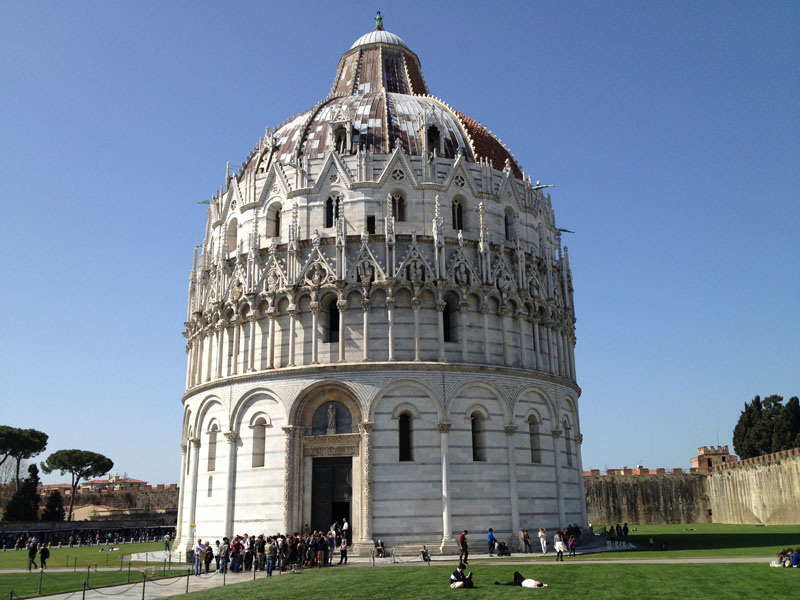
(718,541)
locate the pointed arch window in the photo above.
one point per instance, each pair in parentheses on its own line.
(399,207)
(458,214)
(231,236)
(276,225)
(449,319)
(332,332)
(331,210)
(533,432)
(478,437)
(405,437)
(433,139)
(508,224)
(212,447)
(259,442)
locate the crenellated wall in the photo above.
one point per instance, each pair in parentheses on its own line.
(758,492)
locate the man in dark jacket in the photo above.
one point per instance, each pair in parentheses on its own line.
(459,579)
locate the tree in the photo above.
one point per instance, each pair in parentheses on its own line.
(54,507)
(24,504)
(80,464)
(767,426)
(20,444)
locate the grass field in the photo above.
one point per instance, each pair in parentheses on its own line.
(566,581)
(87,556)
(708,540)
(27,584)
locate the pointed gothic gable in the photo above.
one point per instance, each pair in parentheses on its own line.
(508,191)
(273,275)
(503,275)
(461,271)
(414,267)
(317,270)
(365,268)
(275,177)
(461,170)
(333,165)
(398,161)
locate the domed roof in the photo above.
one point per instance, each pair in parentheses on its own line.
(379,101)
(379,36)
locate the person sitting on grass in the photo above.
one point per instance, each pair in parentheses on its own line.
(459,579)
(796,557)
(778,562)
(521,581)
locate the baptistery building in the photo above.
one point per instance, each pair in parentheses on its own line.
(380,328)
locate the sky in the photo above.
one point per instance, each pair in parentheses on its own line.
(670,130)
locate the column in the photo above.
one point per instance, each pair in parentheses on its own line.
(366,482)
(220,350)
(365,303)
(237,326)
(549,350)
(447,528)
(230,483)
(189,362)
(581,489)
(271,339)
(562,517)
(251,354)
(503,313)
(562,359)
(289,477)
(390,319)
(523,355)
(463,310)
(209,338)
(194,451)
(292,319)
(314,306)
(440,306)
(512,480)
(415,306)
(537,344)
(181,533)
(485,312)
(342,306)
(572,358)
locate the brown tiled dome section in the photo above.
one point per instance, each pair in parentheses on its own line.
(486,145)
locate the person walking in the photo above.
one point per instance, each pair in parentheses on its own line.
(463,548)
(560,546)
(526,540)
(343,550)
(543,539)
(32,555)
(270,550)
(44,554)
(491,541)
(166,542)
(199,556)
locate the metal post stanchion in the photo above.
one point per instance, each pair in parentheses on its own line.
(75,565)
(129,571)
(41,574)
(120,562)
(188,574)
(88,570)
(83,596)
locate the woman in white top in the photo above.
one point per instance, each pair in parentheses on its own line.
(560,546)
(543,540)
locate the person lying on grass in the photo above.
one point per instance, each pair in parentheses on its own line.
(521,581)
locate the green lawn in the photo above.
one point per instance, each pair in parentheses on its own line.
(27,584)
(568,581)
(86,556)
(708,540)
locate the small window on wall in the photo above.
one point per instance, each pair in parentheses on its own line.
(533,429)
(231,236)
(371,224)
(276,224)
(399,207)
(405,442)
(212,448)
(210,485)
(332,334)
(478,437)
(449,320)
(259,442)
(568,443)
(331,210)
(458,214)
(433,138)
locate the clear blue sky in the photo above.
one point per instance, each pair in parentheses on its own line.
(671,131)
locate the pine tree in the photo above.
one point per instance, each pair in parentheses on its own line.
(54,507)
(24,504)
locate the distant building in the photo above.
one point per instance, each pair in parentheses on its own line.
(114,483)
(709,457)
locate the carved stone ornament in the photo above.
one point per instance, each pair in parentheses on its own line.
(444,427)
(510,429)
(556,432)
(236,291)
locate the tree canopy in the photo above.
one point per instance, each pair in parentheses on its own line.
(767,426)
(20,444)
(24,504)
(81,464)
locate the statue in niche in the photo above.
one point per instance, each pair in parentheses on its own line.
(462,275)
(318,275)
(415,270)
(365,272)
(504,282)
(272,281)
(331,419)
(237,290)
